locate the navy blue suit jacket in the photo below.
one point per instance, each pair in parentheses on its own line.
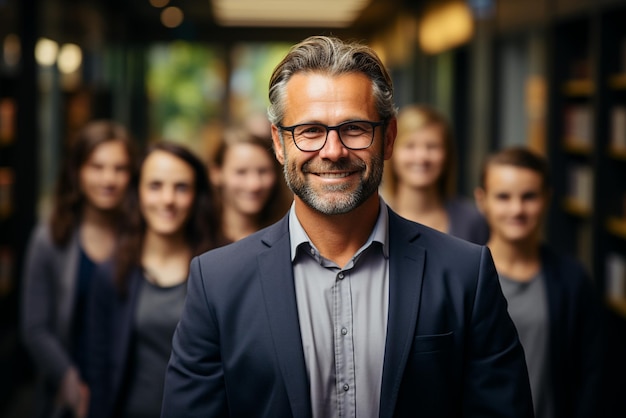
(577,337)
(451,347)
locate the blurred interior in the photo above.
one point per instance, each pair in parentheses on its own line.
(550,74)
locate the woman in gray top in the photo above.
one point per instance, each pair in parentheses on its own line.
(138,298)
(552,301)
(419,178)
(62,253)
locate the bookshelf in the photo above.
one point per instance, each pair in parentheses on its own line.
(587,144)
(8,121)
(612,158)
(587,152)
(572,144)
(18,185)
(10,251)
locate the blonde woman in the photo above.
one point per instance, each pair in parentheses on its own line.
(419,179)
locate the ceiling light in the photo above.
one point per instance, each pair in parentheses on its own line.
(172,17)
(70,58)
(159,3)
(46,51)
(287,13)
(445,26)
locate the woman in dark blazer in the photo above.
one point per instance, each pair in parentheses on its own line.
(63,251)
(138,297)
(419,178)
(551,299)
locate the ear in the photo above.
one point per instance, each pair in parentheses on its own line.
(390,137)
(479,196)
(278,146)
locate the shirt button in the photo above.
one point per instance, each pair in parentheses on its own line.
(340,276)
(312,251)
(346,387)
(344,331)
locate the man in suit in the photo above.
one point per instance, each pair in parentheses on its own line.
(343,308)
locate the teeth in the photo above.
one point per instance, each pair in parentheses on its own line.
(334,175)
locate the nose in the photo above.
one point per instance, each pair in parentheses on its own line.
(108,175)
(333,149)
(255,181)
(421,153)
(167,195)
(517,206)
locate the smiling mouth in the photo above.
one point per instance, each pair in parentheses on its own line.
(167,214)
(416,167)
(334,175)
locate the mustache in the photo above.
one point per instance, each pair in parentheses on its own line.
(326,166)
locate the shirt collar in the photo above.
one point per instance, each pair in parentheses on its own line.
(380,233)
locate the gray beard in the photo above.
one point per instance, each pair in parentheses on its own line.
(335,205)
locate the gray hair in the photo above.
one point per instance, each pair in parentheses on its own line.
(331,56)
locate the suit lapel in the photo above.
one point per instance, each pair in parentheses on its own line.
(280,302)
(406,269)
(552,280)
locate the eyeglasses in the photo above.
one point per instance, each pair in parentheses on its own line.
(354,134)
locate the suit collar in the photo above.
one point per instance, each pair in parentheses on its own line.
(380,232)
(406,268)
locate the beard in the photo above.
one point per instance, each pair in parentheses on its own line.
(339,198)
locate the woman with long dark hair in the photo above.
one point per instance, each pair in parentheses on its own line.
(138,297)
(81,233)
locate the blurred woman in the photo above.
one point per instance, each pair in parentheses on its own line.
(551,300)
(249,183)
(62,253)
(138,298)
(419,179)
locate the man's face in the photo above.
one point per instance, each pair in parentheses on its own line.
(333,180)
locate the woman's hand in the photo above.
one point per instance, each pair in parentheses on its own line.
(74,394)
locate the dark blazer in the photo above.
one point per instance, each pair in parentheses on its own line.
(47,312)
(451,347)
(466,221)
(112,320)
(576,337)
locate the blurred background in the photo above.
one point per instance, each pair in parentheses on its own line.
(550,74)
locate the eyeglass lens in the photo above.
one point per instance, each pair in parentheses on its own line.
(353,135)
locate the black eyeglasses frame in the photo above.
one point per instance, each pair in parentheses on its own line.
(336,128)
